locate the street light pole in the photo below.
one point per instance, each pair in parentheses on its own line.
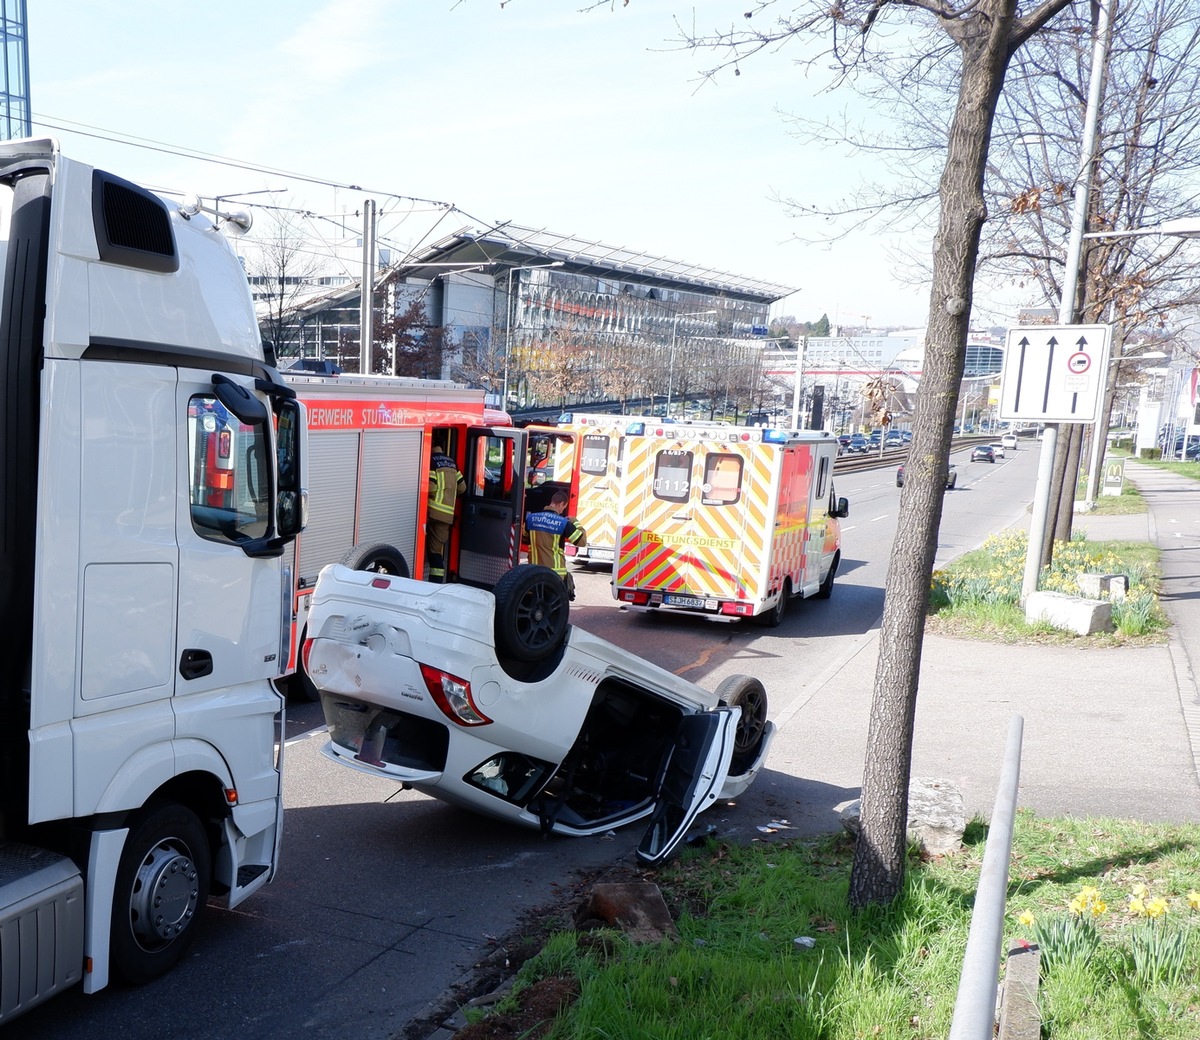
(509,315)
(671,364)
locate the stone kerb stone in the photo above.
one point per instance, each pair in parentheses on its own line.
(1081,616)
(936,815)
(1112,587)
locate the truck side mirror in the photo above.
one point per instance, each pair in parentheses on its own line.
(292,506)
(843,508)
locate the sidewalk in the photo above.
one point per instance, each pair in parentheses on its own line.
(1107,732)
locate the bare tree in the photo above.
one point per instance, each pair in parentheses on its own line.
(282,268)
(982,36)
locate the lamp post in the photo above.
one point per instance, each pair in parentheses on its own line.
(674,336)
(510,313)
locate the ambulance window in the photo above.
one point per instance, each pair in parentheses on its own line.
(822,475)
(228,484)
(595,454)
(673,475)
(722,480)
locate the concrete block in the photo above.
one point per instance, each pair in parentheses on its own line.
(1112,587)
(1070,613)
(936,816)
(1020,1018)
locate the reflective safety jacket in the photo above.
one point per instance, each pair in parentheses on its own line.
(445,485)
(547,532)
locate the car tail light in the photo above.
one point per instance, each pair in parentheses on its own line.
(634,596)
(453,696)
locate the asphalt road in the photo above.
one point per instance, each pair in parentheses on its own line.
(385,897)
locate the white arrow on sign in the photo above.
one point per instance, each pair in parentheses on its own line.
(1049,375)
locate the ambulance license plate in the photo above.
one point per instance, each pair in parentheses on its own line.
(600,554)
(685,601)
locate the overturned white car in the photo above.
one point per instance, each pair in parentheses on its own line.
(494,702)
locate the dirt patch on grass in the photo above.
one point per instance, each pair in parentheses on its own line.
(536,1007)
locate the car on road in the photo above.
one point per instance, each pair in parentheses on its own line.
(893,440)
(983,453)
(493,702)
(1009,440)
(951,476)
(998,449)
(858,443)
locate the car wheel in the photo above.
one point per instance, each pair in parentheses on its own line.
(952,482)
(826,587)
(380,558)
(773,617)
(742,691)
(531,613)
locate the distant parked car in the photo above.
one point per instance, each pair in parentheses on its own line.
(858,443)
(983,453)
(998,449)
(843,442)
(893,440)
(951,476)
(1009,440)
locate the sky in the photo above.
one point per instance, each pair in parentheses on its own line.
(594,124)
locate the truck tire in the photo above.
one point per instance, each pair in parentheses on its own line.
(531,613)
(826,587)
(747,693)
(773,617)
(162,885)
(380,557)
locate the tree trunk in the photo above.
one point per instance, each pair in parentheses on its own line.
(878,871)
(1070,483)
(1054,501)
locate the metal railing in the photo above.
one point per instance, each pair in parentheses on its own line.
(975,1007)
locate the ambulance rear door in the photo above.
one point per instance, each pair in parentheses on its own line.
(684,520)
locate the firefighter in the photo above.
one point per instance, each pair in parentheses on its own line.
(548,529)
(446,483)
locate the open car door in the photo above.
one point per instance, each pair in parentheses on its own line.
(691,779)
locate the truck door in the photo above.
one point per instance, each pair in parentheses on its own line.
(490,525)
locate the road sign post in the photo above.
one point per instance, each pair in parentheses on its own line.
(1054,373)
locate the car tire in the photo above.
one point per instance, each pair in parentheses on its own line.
(747,693)
(380,558)
(774,617)
(826,587)
(531,613)
(952,483)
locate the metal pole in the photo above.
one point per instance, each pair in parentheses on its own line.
(671,365)
(1066,308)
(798,386)
(975,1005)
(365,335)
(510,313)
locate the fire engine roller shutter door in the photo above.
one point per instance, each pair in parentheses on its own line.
(387,510)
(332,475)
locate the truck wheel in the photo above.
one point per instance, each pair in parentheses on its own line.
(826,588)
(531,613)
(742,691)
(774,616)
(162,885)
(380,557)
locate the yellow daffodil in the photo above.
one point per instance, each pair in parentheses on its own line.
(1140,890)
(1077,905)
(1137,906)
(1089,892)
(1194,899)
(1027,920)
(1156,907)
(1099,906)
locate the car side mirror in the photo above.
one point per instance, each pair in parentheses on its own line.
(843,508)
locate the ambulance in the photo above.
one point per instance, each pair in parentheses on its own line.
(601,439)
(727,522)
(370,439)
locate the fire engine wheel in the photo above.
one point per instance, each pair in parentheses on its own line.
(162,885)
(380,557)
(826,588)
(747,693)
(531,613)
(773,617)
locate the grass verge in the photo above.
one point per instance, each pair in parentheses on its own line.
(768,947)
(979,594)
